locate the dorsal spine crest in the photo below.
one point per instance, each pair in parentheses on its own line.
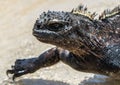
(108,12)
(83,10)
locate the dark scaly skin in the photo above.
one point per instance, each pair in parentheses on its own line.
(83,43)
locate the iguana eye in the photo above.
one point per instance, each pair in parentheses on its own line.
(55,26)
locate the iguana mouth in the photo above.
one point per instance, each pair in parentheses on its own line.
(40,31)
(43,34)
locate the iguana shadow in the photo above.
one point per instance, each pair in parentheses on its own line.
(39,82)
(100,80)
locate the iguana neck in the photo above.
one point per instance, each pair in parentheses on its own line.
(108,30)
(82,38)
(94,35)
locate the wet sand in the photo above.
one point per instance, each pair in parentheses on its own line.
(17,18)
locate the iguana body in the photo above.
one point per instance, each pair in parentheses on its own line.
(82,42)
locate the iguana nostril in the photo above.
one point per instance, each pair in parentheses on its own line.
(38,26)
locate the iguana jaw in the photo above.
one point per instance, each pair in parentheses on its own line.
(44,35)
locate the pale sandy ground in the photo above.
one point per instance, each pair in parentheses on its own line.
(17,18)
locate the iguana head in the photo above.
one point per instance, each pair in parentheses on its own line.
(52,26)
(60,29)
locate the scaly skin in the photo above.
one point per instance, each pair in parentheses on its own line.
(85,44)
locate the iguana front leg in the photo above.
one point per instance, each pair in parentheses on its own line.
(48,58)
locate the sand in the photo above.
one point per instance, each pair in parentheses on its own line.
(17,18)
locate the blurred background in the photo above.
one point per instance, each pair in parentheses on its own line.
(17,18)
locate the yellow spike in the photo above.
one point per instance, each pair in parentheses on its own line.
(108,13)
(81,10)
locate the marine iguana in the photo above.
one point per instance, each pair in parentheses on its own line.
(82,42)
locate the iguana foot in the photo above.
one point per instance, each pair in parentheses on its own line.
(21,67)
